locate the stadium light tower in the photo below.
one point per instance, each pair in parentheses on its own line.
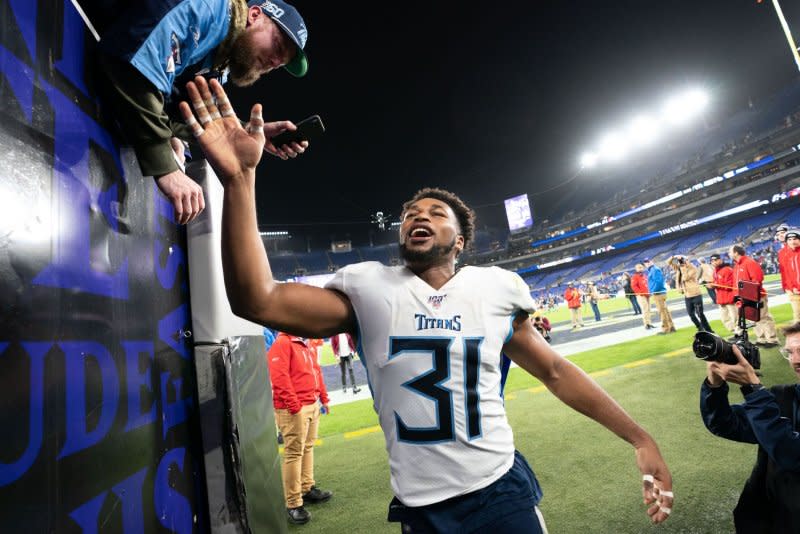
(613,147)
(787,32)
(644,129)
(588,160)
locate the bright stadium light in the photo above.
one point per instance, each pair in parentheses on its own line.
(646,128)
(643,130)
(612,147)
(588,160)
(675,111)
(682,107)
(696,100)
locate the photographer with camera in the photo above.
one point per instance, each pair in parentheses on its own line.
(768,417)
(542,325)
(688,283)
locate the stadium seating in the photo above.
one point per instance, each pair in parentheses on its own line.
(314,262)
(340,259)
(283,266)
(386,254)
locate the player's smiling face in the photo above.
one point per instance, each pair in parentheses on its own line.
(429,231)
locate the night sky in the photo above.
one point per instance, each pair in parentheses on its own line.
(493,99)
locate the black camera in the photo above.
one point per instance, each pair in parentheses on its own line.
(712,348)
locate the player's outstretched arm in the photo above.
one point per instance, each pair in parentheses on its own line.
(253,293)
(528,349)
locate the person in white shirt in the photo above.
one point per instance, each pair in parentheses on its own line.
(344,349)
(432,338)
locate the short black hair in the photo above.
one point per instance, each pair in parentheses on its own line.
(464,214)
(791,329)
(739,249)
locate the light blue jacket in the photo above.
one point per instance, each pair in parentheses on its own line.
(168,37)
(655,280)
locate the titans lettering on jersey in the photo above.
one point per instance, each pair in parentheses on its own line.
(423,322)
(433,361)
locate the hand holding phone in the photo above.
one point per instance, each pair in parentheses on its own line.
(307,130)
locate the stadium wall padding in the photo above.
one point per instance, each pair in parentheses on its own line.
(239,436)
(100,413)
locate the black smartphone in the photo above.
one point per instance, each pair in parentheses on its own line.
(307,130)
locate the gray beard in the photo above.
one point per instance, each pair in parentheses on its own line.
(426,256)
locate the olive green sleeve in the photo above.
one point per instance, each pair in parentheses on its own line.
(138,107)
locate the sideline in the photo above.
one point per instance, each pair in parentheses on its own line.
(566,349)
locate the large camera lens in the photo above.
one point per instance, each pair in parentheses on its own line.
(712,348)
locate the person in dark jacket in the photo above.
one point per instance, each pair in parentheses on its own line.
(626,286)
(151,49)
(768,417)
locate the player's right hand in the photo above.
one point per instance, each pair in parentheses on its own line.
(656,482)
(185,195)
(231,150)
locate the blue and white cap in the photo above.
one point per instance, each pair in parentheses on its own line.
(292,24)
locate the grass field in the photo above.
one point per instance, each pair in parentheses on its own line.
(590,480)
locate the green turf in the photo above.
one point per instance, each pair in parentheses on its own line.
(326,356)
(589,476)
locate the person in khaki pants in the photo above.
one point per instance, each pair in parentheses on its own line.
(573,297)
(640,289)
(657,287)
(789,261)
(747,269)
(724,290)
(688,283)
(297,385)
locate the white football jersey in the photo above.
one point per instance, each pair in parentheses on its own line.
(433,360)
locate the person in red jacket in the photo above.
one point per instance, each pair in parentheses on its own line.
(789,262)
(747,269)
(642,292)
(724,291)
(297,385)
(573,297)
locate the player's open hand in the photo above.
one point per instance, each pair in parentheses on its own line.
(233,151)
(656,482)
